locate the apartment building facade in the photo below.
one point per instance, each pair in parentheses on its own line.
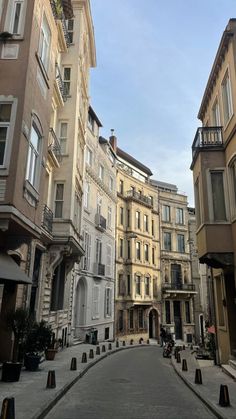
(94,280)
(213,165)
(138,297)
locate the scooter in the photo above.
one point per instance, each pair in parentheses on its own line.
(167,350)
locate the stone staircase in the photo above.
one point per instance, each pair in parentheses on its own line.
(230,368)
(77,341)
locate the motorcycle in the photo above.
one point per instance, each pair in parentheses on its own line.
(168,347)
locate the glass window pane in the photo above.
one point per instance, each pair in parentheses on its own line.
(16,18)
(5,112)
(59,191)
(218,198)
(34,139)
(58,209)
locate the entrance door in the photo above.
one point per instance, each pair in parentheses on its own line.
(177,320)
(153,323)
(80,301)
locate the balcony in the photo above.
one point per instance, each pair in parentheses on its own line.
(99,269)
(58,13)
(100,222)
(178,288)
(59,83)
(47,219)
(54,147)
(207,138)
(139,197)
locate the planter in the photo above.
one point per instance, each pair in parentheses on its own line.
(31,362)
(11,371)
(50,354)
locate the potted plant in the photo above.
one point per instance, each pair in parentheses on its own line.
(19,322)
(52,349)
(37,341)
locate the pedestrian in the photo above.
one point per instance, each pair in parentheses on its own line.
(162,336)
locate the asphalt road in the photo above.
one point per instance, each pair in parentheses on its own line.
(132,384)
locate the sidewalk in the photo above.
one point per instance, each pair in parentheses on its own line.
(209,390)
(32,399)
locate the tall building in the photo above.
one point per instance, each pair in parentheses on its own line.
(138,298)
(214,174)
(94,279)
(178,289)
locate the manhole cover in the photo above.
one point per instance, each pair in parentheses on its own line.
(120,380)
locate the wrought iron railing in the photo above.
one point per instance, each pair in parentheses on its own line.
(54,145)
(57,11)
(100,221)
(137,196)
(207,137)
(99,269)
(47,218)
(178,287)
(60,82)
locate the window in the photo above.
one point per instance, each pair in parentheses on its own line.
(147,285)
(44,43)
(138,250)
(197,203)
(33,163)
(167,241)
(187,312)
(108,265)
(89,157)
(86,194)
(95,306)
(121,285)
(58,288)
(63,136)
(166,213)
(227,98)
(167,311)
(111,183)
(99,204)
(77,211)
(216,114)
(98,251)
(121,215)
(153,233)
(87,249)
(138,219)
(121,248)
(128,285)
(176,276)
(109,217)
(17,11)
(180,243)
(138,284)
(107,302)
(101,172)
(128,218)
(131,319)
(146,252)
(5,117)
(90,122)
(120,320)
(153,256)
(121,186)
(140,319)
(179,216)
(59,199)
(218,196)
(66,80)
(70,30)
(151,200)
(107,333)
(128,250)
(145,219)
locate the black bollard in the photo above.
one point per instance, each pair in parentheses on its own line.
(224,396)
(84,358)
(117,344)
(51,381)
(140,341)
(178,359)
(98,350)
(198,376)
(91,354)
(184,365)
(131,341)
(73,365)
(123,343)
(109,346)
(103,348)
(148,342)
(183,347)
(8,408)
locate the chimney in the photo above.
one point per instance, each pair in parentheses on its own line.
(113,140)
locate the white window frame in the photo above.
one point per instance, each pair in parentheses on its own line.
(98,250)
(70,29)
(99,204)
(108,300)
(10,17)
(216,114)
(109,260)
(179,216)
(67,81)
(87,249)
(7,125)
(166,213)
(63,139)
(95,307)
(45,43)
(89,156)
(59,200)
(86,194)
(226,94)
(34,157)
(109,217)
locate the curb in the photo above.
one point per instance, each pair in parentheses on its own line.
(47,407)
(210,405)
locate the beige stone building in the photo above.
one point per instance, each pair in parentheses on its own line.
(214,174)
(138,297)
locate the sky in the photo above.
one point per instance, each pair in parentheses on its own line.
(153,63)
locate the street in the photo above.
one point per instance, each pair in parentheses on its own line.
(132,384)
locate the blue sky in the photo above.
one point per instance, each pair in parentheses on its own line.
(153,62)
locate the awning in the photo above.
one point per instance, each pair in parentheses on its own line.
(67,9)
(10,271)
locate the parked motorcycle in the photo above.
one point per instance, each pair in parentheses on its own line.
(168,347)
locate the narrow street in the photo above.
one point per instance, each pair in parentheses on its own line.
(132,384)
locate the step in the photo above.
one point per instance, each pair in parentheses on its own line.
(229,370)
(77,342)
(232,363)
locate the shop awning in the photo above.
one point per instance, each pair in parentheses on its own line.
(10,271)
(67,9)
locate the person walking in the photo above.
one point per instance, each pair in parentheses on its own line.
(162,336)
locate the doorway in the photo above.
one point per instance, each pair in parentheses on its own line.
(178,320)
(80,303)
(153,323)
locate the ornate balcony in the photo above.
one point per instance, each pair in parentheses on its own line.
(58,13)
(139,197)
(101,222)
(47,219)
(99,269)
(60,84)
(176,288)
(208,138)
(54,147)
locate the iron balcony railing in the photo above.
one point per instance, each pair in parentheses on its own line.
(47,218)
(207,137)
(101,222)
(54,145)
(57,11)
(99,269)
(60,82)
(137,196)
(178,287)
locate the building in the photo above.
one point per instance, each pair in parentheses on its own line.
(214,174)
(138,297)
(94,280)
(178,290)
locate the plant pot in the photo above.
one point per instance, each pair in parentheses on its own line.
(11,371)
(50,354)
(31,362)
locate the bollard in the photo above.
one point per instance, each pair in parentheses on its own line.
(117,344)
(84,358)
(73,365)
(131,341)
(183,347)
(98,350)
(198,376)
(110,346)
(224,396)
(175,353)
(103,348)
(184,365)
(191,347)
(8,408)
(51,381)
(123,343)
(140,341)
(148,342)
(178,359)
(91,354)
